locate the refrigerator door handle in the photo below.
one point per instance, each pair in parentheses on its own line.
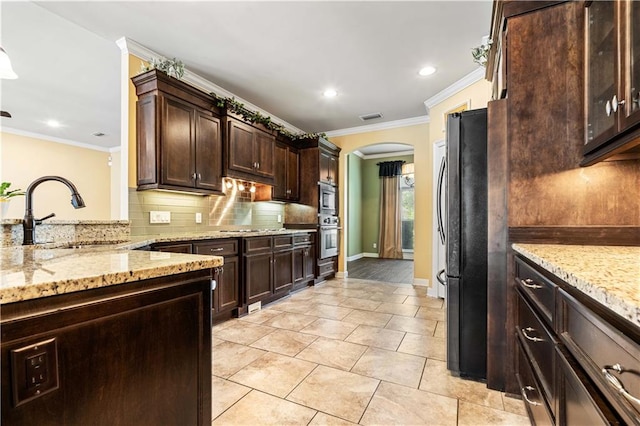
(440,279)
(439,201)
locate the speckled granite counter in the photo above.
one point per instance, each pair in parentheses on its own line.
(49,269)
(32,272)
(608,274)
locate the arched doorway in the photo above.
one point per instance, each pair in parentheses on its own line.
(363,210)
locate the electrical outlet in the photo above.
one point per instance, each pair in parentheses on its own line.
(159,217)
(279,218)
(375,245)
(198,217)
(34,370)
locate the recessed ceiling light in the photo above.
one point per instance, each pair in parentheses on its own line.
(330,93)
(427,71)
(53,123)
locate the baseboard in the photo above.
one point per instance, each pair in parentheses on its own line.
(355,257)
(344,274)
(370,255)
(432,292)
(422,282)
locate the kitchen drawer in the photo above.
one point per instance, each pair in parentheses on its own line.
(582,403)
(533,399)
(538,288)
(223,247)
(282,242)
(257,245)
(598,345)
(539,345)
(303,239)
(173,247)
(326,267)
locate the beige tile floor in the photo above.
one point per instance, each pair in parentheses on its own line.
(347,352)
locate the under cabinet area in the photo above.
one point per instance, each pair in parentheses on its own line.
(179,136)
(576,361)
(612,79)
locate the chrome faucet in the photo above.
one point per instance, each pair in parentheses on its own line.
(29,222)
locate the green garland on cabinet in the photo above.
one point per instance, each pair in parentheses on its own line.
(255,117)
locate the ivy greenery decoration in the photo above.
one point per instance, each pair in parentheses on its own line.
(481,53)
(172,67)
(5,194)
(255,117)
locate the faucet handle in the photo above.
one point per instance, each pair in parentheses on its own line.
(39,221)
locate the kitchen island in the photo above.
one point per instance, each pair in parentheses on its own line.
(577,332)
(105,336)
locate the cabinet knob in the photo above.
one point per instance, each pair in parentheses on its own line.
(199,176)
(615,103)
(258,165)
(194,176)
(607,108)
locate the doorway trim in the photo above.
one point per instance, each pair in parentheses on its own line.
(436,289)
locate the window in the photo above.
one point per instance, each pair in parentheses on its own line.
(407,197)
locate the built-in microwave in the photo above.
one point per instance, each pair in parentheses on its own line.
(328,199)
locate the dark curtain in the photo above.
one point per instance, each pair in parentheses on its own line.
(390,168)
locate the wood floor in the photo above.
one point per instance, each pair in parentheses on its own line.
(388,270)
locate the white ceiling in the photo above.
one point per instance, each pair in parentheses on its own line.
(279,56)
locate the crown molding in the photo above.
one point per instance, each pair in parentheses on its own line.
(380,126)
(463,83)
(48,138)
(357,153)
(132,47)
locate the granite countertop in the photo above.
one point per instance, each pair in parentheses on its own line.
(32,272)
(43,270)
(608,274)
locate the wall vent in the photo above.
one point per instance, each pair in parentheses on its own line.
(372,116)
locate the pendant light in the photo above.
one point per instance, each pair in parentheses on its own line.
(6,71)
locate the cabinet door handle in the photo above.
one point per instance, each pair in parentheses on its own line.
(526,398)
(529,283)
(194,176)
(533,339)
(607,108)
(617,384)
(615,103)
(199,176)
(258,165)
(214,284)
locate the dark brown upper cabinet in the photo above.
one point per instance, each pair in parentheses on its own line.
(612,80)
(286,184)
(179,136)
(250,152)
(328,168)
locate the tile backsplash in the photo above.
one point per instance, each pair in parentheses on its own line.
(236,210)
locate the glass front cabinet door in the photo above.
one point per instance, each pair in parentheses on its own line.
(612,75)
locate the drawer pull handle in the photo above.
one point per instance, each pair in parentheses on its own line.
(526,398)
(533,339)
(617,384)
(217,249)
(530,284)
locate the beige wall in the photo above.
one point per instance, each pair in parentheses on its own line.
(477,95)
(24,159)
(135,65)
(422,137)
(418,137)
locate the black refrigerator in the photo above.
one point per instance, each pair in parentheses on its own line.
(465,224)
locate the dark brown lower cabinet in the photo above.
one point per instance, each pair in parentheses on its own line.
(258,273)
(130,354)
(268,267)
(226,296)
(567,343)
(304,259)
